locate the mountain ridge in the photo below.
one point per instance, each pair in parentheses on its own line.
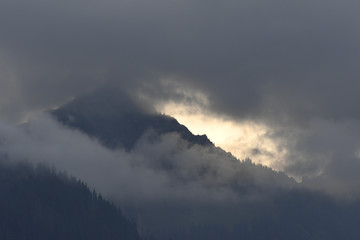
(118,121)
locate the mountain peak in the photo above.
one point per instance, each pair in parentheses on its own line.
(118,120)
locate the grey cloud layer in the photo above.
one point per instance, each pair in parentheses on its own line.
(253,57)
(155,171)
(125,177)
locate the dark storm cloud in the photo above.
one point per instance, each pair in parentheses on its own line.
(253,57)
(287,64)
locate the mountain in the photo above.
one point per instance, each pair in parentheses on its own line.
(119,121)
(39,203)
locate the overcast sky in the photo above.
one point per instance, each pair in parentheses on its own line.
(291,66)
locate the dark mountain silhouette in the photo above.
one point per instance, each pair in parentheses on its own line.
(42,204)
(119,121)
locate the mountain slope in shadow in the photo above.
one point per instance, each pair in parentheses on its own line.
(119,121)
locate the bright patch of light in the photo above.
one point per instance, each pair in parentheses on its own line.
(242,139)
(191,107)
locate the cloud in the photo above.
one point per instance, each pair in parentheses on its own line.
(328,150)
(160,180)
(164,169)
(250,57)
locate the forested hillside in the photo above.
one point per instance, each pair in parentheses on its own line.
(39,203)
